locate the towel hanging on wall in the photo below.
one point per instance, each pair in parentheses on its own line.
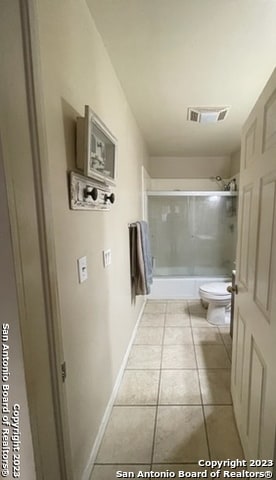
(140,258)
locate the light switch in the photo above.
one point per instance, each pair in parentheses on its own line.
(82,268)
(106,257)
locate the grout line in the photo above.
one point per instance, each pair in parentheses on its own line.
(181,368)
(124,463)
(158,393)
(198,369)
(225,346)
(146,463)
(201,397)
(146,405)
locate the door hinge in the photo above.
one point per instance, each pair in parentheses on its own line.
(63,371)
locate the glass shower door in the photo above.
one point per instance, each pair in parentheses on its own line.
(171,241)
(192,235)
(214,233)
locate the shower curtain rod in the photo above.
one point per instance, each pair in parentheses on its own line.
(188,193)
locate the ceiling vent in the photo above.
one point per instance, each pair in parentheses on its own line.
(207,114)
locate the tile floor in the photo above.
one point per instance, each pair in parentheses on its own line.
(174,404)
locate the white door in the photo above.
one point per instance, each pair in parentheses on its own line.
(254,339)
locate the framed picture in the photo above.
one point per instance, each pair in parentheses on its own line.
(96,148)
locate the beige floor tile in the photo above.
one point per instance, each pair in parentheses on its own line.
(185,444)
(215,386)
(206,335)
(149,336)
(229,351)
(233,471)
(129,436)
(110,472)
(179,387)
(225,334)
(178,356)
(222,433)
(178,336)
(196,306)
(212,356)
(200,321)
(194,302)
(184,467)
(144,356)
(155,307)
(177,307)
(138,387)
(125,451)
(152,320)
(177,320)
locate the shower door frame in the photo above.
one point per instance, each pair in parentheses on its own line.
(191,193)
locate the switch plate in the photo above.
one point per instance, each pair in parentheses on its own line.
(82,269)
(106,257)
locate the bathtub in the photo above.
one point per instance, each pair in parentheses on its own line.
(180,287)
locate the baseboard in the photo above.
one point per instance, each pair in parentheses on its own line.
(87,471)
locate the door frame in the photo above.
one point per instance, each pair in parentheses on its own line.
(52,452)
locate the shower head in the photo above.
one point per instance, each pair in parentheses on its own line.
(220,180)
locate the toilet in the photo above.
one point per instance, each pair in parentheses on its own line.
(217,297)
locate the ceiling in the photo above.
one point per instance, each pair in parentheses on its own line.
(172,54)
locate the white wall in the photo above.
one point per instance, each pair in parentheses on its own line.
(235,163)
(97,316)
(189,167)
(184,184)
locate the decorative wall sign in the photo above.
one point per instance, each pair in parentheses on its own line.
(88,195)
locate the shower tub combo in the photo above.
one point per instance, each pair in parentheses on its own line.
(193,240)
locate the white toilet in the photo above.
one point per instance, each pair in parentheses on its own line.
(219,302)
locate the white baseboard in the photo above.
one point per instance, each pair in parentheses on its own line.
(90,464)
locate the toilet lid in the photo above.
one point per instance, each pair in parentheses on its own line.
(217,288)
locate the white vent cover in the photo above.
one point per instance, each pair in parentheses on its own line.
(207,114)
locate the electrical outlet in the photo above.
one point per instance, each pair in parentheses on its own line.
(106,257)
(82,269)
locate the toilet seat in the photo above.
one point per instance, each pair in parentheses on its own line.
(215,291)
